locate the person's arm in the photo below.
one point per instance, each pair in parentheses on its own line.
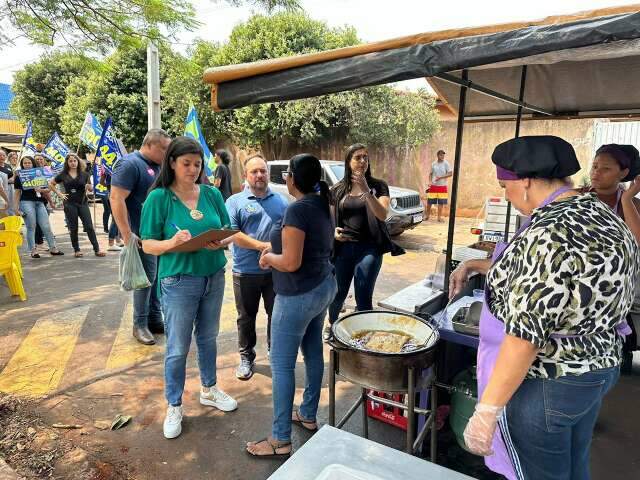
(630,210)
(17,193)
(378,205)
(460,275)
(53,183)
(119,211)
(217,177)
(4,196)
(446,175)
(243,240)
(160,247)
(292,247)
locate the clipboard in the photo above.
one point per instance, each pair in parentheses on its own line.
(198,242)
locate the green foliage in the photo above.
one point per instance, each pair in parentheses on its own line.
(99,26)
(40,90)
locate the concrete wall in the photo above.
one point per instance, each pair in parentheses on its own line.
(477,176)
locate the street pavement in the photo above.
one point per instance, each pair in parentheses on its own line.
(69,346)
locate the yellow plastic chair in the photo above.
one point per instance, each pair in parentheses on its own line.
(14,223)
(10,262)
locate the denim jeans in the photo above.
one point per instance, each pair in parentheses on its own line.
(146,306)
(191,305)
(361,263)
(111,229)
(296,322)
(36,214)
(551,421)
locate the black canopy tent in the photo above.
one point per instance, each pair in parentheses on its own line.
(583,65)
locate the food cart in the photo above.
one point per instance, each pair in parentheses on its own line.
(564,67)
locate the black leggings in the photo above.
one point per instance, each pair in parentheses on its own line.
(72,211)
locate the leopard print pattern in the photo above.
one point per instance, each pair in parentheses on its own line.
(565,283)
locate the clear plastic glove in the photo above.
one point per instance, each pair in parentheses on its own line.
(478,435)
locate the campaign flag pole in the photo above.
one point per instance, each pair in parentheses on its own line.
(192,129)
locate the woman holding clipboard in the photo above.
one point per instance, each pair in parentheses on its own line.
(191,283)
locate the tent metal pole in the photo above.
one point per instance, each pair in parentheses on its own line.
(454,183)
(491,93)
(523,81)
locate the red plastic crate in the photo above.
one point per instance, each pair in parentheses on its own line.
(385,413)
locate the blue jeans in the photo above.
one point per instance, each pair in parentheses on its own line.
(296,322)
(36,214)
(360,262)
(551,423)
(146,306)
(191,305)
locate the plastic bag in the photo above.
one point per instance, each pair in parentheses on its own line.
(131,272)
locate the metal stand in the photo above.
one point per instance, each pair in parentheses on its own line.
(412,444)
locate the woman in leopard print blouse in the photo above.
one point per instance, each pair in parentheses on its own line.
(556,301)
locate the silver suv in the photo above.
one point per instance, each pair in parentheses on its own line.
(406,208)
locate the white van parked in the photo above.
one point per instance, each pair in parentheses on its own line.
(406,210)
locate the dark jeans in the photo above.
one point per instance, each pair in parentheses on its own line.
(247,290)
(146,305)
(360,262)
(73,211)
(551,423)
(106,213)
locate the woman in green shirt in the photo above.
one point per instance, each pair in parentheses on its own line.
(191,284)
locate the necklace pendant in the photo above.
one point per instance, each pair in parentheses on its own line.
(196,214)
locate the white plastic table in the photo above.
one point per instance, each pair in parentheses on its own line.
(333,454)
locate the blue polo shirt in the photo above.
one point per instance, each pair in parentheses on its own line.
(254,217)
(136,174)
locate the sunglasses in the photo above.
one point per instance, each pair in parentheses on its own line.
(286,174)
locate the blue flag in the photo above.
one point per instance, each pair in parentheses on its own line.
(56,151)
(27,141)
(91,131)
(109,149)
(192,129)
(98,189)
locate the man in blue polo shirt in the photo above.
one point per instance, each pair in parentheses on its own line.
(130,182)
(252,211)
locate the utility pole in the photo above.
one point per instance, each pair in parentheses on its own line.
(153,85)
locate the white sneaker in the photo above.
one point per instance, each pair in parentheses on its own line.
(114,248)
(217,398)
(172,426)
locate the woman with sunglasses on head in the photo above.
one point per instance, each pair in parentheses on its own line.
(31,205)
(304,284)
(191,283)
(76,182)
(360,206)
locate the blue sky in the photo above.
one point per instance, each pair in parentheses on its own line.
(373,19)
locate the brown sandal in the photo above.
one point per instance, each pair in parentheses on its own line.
(274,450)
(78,254)
(298,420)
(100,254)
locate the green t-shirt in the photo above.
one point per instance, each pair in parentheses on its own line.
(162,208)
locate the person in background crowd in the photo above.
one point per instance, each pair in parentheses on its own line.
(110,229)
(552,325)
(192,283)
(613,165)
(253,211)
(31,205)
(76,182)
(305,285)
(4,198)
(130,182)
(361,203)
(40,161)
(437,188)
(13,159)
(222,175)
(8,170)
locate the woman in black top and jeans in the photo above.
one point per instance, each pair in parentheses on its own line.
(76,183)
(360,205)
